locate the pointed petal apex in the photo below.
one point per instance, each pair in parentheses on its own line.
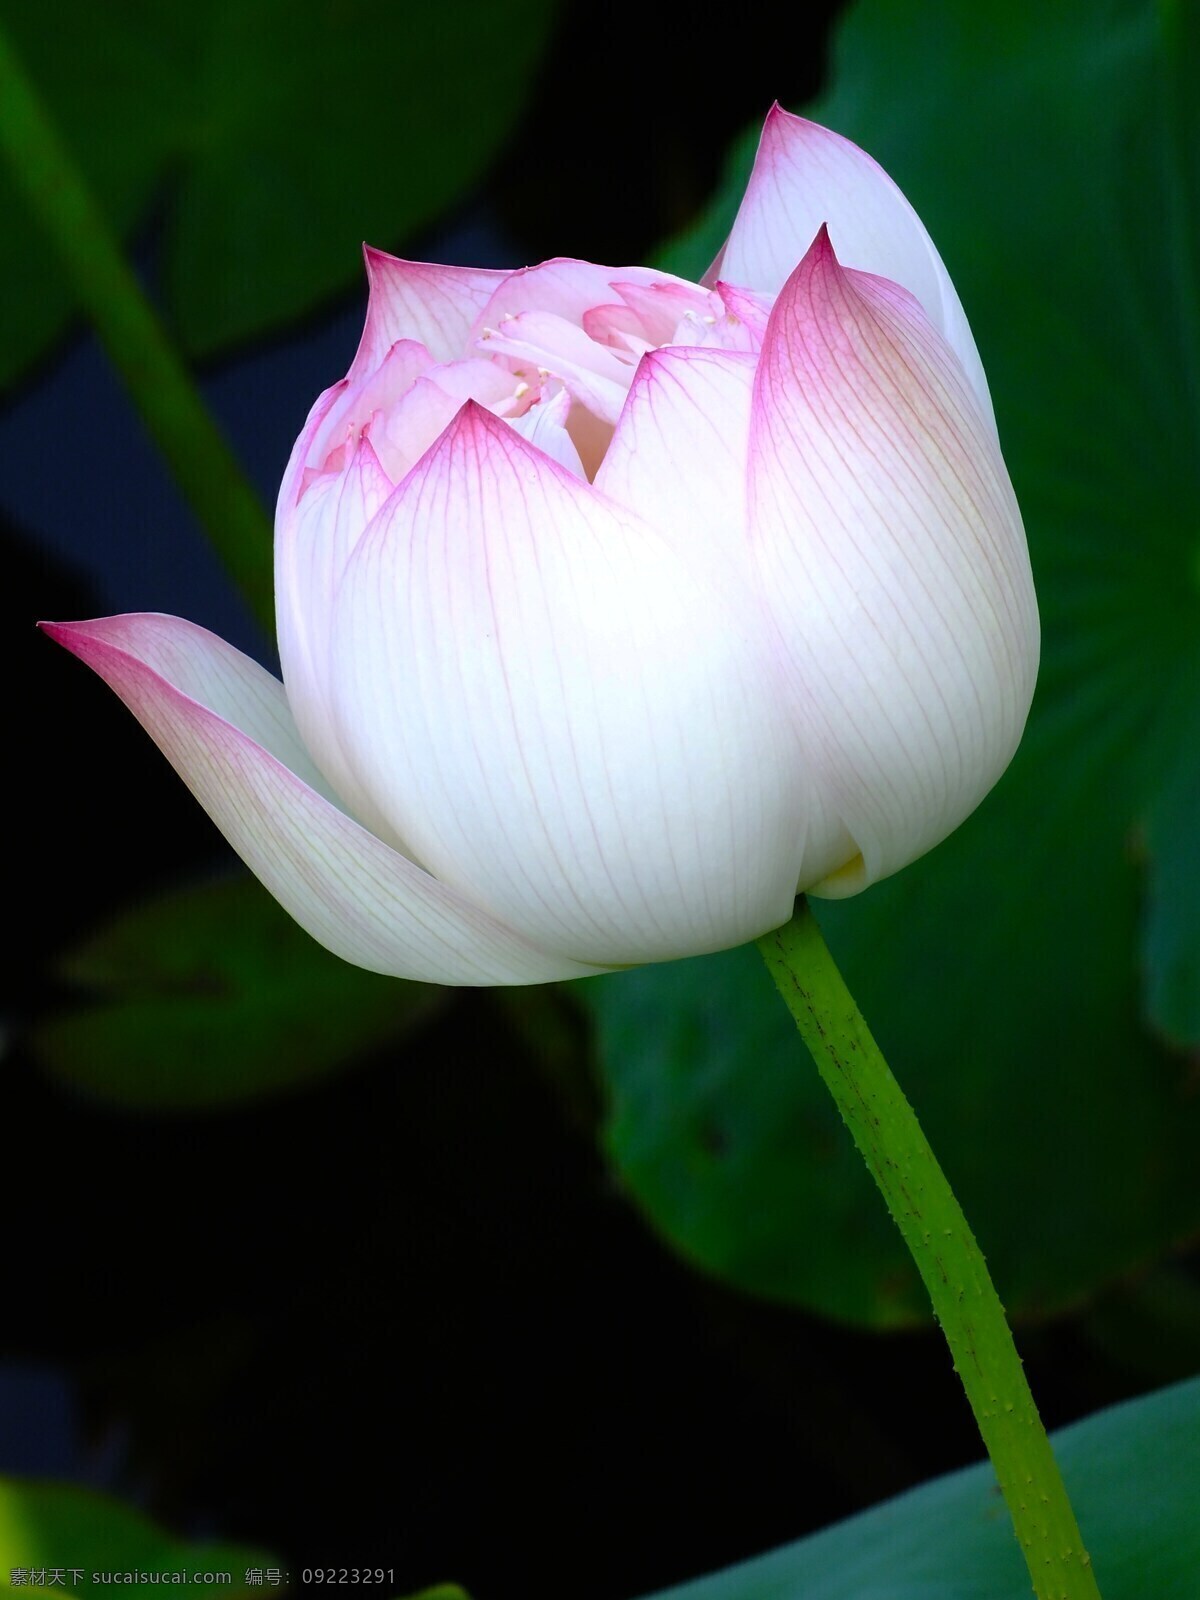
(478,440)
(805,175)
(435,305)
(678,455)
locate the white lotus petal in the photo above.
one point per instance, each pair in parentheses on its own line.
(618,328)
(312,548)
(337,420)
(661,306)
(678,455)
(743,325)
(564,712)
(545,425)
(419,300)
(402,435)
(805,176)
(563,287)
(597,377)
(222,723)
(893,556)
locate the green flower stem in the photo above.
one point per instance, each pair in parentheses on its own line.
(171,408)
(923,1206)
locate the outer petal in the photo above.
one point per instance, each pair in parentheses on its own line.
(223,724)
(565,713)
(418,300)
(678,455)
(893,556)
(805,175)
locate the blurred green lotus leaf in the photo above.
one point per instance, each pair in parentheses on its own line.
(211,994)
(282,132)
(442,1591)
(55,1536)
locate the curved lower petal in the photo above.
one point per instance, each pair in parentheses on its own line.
(419,300)
(678,455)
(571,717)
(223,724)
(892,553)
(805,176)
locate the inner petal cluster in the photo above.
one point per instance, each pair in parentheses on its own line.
(553,353)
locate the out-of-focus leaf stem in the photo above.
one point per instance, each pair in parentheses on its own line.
(918,1195)
(162,390)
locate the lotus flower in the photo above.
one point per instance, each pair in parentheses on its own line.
(614,609)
